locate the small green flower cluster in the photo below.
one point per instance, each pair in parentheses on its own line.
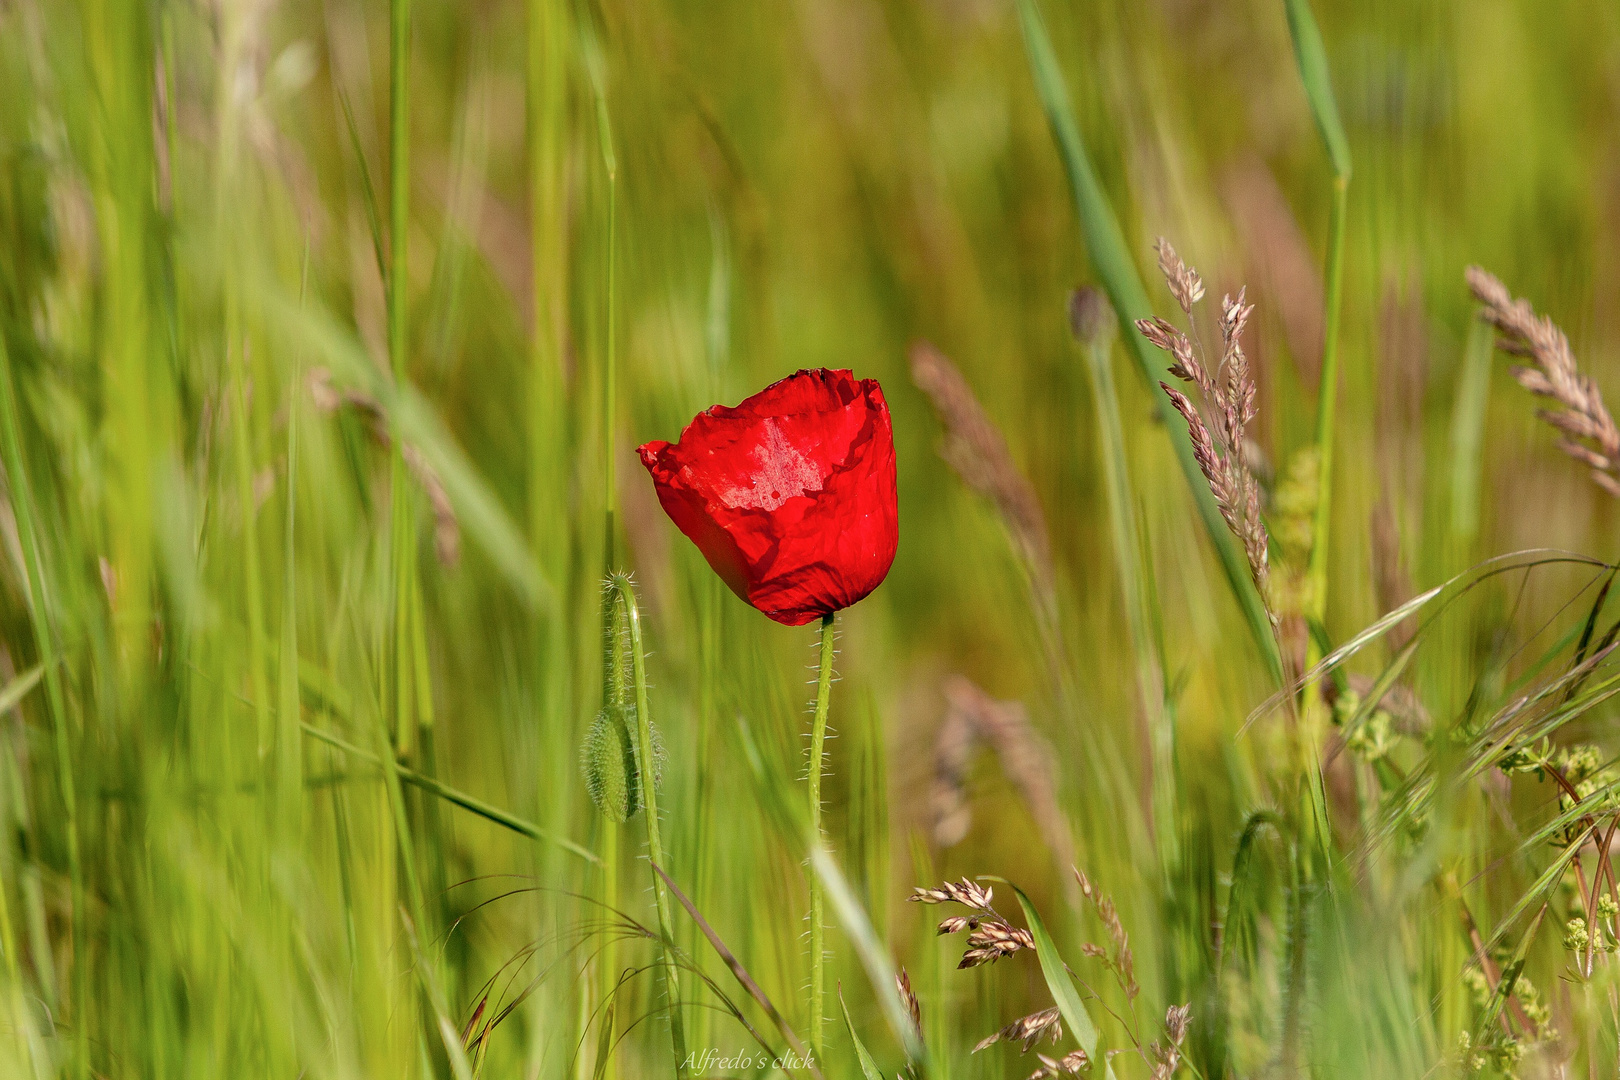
(1293,517)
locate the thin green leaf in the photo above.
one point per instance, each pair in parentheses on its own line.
(1313,72)
(1110,255)
(451,795)
(18,688)
(869,1066)
(739,972)
(874,956)
(1060,983)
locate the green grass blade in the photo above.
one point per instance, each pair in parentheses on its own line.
(18,688)
(1060,983)
(1313,72)
(1468,433)
(869,1065)
(873,954)
(740,973)
(457,798)
(1110,256)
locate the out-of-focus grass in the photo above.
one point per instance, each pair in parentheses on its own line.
(206,541)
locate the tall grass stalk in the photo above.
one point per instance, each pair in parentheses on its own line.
(1110,257)
(1313,70)
(818,743)
(647,770)
(1097,342)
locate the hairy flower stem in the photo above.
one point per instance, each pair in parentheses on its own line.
(646,769)
(818,742)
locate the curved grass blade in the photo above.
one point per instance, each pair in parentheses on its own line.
(18,688)
(1058,980)
(1450,590)
(874,956)
(1240,900)
(1313,72)
(451,795)
(740,973)
(869,1066)
(1109,254)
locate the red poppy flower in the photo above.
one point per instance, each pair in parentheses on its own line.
(790,496)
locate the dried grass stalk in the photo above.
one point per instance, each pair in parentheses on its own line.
(1219,428)
(1589,432)
(1117,957)
(976,449)
(1028,1031)
(972,718)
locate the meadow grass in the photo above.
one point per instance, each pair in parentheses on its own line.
(361,714)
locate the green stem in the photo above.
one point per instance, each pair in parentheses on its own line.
(451,795)
(399,24)
(1327,401)
(818,742)
(646,767)
(1316,572)
(1128,559)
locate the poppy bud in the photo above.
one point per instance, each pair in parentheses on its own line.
(790,496)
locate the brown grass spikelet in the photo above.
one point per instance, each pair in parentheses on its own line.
(967,893)
(1117,956)
(1219,426)
(1185,284)
(1588,431)
(976,449)
(1029,1031)
(1074,1063)
(1166,1057)
(908,998)
(990,937)
(973,718)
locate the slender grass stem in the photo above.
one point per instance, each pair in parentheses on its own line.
(1127,541)
(646,771)
(1314,74)
(818,742)
(457,798)
(1327,402)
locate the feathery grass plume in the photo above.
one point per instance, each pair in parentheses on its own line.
(1228,402)
(977,450)
(1589,432)
(972,718)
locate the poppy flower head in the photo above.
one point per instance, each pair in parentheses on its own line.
(790,495)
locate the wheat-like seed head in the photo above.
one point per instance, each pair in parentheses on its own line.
(1589,432)
(1219,427)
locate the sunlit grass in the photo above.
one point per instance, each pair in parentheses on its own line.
(326,328)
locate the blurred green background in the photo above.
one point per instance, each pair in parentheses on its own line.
(200,211)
